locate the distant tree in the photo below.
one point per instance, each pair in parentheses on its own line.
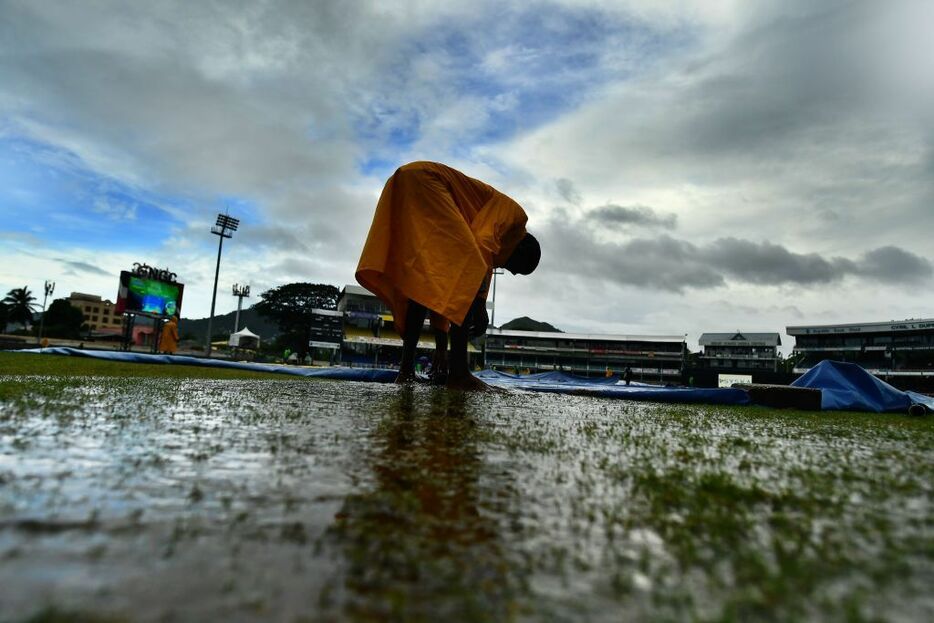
(63,319)
(4,315)
(290,307)
(21,305)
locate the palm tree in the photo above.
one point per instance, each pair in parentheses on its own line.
(20,305)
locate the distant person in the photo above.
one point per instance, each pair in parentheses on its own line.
(168,341)
(627,375)
(435,239)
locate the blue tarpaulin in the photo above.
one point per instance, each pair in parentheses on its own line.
(346,374)
(844,386)
(612,387)
(848,387)
(556,382)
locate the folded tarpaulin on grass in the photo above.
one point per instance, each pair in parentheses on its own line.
(611,387)
(347,374)
(848,387)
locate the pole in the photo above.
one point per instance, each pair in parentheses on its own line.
(241,292)
(49,289)
(496,271)
(217,271)
(493,311)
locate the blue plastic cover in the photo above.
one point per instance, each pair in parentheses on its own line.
(557,382)
(848,387)
(347,374)
(612,387)
(844,386)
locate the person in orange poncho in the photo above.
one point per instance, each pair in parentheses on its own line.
(168,340)
(436,236)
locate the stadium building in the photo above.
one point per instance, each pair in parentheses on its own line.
(893,349)
(652,358)
(740,352)
(99,314)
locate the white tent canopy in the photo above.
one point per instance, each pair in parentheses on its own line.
(244,338)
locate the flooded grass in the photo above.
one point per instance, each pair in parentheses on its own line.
(171,499)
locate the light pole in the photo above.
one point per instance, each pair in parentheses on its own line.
(496,271)
(241,292)
(49,289)
(224,228)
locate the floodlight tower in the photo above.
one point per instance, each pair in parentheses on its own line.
(49,289)
(241,292)
(224,228)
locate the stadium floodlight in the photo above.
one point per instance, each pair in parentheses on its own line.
(225,226)
(241,292)
(224,223)
(49,289)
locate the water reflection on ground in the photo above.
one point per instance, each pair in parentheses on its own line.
(424,540)
(164,500)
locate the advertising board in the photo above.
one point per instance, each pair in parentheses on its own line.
(145,295)
(727,380)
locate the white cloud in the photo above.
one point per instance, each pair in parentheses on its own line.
(804,130)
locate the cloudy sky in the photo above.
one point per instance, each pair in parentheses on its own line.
(688,166)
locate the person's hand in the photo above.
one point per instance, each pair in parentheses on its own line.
(477,319)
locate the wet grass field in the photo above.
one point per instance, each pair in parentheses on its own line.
(165,498)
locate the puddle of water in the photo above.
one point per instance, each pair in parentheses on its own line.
(160,499)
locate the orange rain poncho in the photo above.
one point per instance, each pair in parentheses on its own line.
(168,340)
(435,237)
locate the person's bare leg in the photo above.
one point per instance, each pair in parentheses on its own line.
(414,319)
(439,364)
(459,376)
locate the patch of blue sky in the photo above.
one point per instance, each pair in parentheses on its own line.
(378,166)
(49,193)
(529,66)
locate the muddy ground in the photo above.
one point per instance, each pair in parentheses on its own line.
(154,499)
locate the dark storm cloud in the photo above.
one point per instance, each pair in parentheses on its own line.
(616,215)
(893,264)
(662,263)
(669,264)
(83,267)
(767,263)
